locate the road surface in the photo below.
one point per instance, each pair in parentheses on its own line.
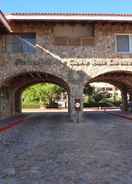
(49,149)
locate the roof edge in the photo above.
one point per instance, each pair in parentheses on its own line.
(69,17)
(5,22)
(68,14)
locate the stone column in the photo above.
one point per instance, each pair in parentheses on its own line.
(7,102)
(124,100)
(69,104)
(18,102)
(12,102)
(130,97)
(76,93)
(4,102)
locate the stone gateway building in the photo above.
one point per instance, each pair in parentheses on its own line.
(71,50)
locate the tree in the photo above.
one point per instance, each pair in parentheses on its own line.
(43,94)
(89,90)
(98,96)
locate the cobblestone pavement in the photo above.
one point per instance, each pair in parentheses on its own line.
(50,149)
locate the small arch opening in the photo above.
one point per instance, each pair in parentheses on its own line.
(112,90)
(99,96)
(37,92)
(43,97)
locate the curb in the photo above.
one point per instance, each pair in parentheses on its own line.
(13,124)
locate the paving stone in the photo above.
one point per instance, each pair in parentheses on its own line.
(54,151)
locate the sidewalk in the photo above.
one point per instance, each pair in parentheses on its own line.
(126,115)
(113,111)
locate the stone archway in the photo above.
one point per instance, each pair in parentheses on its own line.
(120,79)
(32,78)
(44,64)
(12,88)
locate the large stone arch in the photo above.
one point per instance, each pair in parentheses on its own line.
(16,82)
(58,71)
(92,72)
(42,64)
(122,79)
(35,78)
(112,69)
(115,77)
(119,78)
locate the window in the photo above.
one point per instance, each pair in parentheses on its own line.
(124,43)
(23,43)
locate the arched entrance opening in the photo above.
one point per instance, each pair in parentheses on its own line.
(100,96)
(43,97)
(17,86)
(120,87)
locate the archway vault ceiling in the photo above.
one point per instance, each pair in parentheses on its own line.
(22,81)
(119,79)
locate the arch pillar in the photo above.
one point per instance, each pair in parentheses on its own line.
(130,96)
(76,93)
(17,104)
(124,100)
(5,102)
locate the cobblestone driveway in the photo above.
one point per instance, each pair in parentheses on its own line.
(50,149)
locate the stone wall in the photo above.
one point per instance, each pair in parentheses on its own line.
(76,64)
(101,54)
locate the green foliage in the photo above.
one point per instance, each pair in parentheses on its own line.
(42,94)
(88,90)
(96,98)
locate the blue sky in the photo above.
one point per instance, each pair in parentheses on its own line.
(104,6)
